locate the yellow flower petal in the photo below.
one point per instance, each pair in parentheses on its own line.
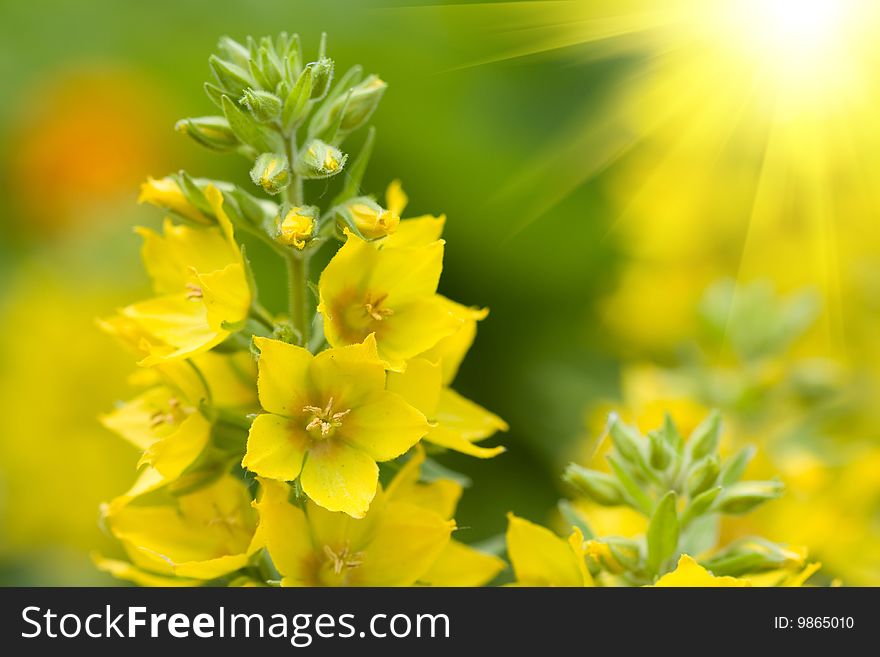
(226,295)
(283,376)
(350,375)
(461,565)
(539,557)
(180,323)
(417,231)
(690,573)
(384,427)
(126,571)
(407,274)
(395,198)
(174,453)
(451,350)
(134,419)
(461,422)
(419,384)
(285,530)
(407,541)
(414,328)
(340,478)
(276,448)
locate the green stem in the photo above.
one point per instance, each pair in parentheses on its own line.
(298,289)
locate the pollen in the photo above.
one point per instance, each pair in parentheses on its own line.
(343,559)
(326,419)
(373,308)
(193,292)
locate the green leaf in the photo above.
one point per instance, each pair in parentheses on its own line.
(233,78)
(249,131)
(599,487)
(662,536)
(432,471)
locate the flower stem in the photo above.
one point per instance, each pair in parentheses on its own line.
(297,287)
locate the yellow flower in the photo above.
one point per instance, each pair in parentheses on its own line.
(328,420)
(296,228)
(404,539)
(540,558)
(198,536)
(166,193)
(389,292)
(203,290)
(458,564)
(166,426)
(415,231)
(690,573)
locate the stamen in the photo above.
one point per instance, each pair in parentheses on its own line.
(193,292)
(324,418)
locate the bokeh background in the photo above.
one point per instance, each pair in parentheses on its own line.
(665,207)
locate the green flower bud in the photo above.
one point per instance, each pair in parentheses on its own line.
(660,453)
(263,105)
(297,102)
(362,103)
(752,555)
(322,76)
(599,487)
(210,131)
(746,495)
(234,51)
(626,440)
(231,77)
(704,439)
(699,505)
(703,474)
(319,160)
(271,172)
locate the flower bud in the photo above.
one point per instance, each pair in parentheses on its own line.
(753,555)
(660,453)
(263,105)
(362,102)
(626,440)
(297,226)
(210,131)
(322,75)
(319,160)
(600,487)
(372,220)
(166,193)
(271,172)
(233,78)
(704,439)
(746,495)
(702,476)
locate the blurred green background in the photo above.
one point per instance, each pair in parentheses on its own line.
(472,122)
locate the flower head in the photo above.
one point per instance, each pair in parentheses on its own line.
(388,292)
(296,228)
(328,420)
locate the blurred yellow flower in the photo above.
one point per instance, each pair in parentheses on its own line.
(203,291)
(328,420)
(199,536)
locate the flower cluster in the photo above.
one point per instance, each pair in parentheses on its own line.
(293,448)
(264,435)
(681,488)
